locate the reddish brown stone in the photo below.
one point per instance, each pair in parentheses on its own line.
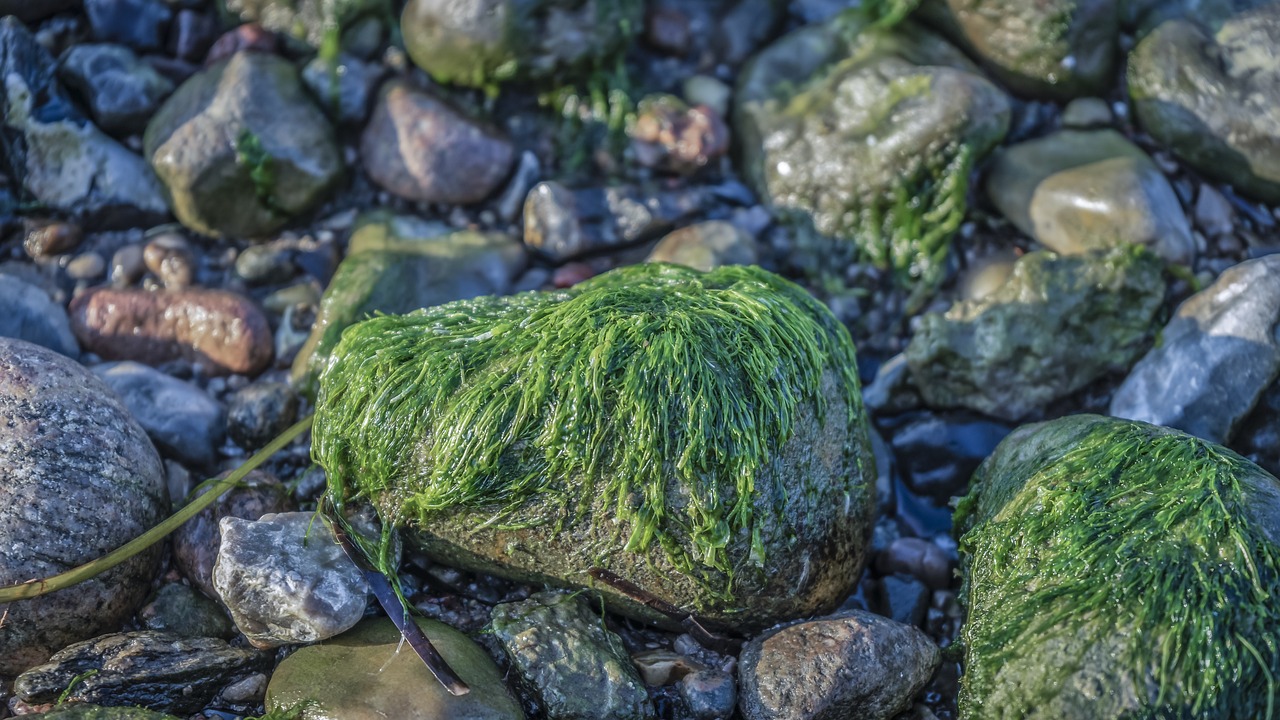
(225,332)
(421,148)
(669,137)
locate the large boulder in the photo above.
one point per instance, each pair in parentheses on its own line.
(701,436)
(485,42)
(242,149)
(1055,325)
(78,478)
(870,133)
(1214,99)
(1115,569)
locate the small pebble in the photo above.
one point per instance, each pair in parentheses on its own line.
(86,266)
(127,265)
(170,258)
(51,238)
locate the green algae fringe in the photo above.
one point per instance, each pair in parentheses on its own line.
(627,383)
(1136,528)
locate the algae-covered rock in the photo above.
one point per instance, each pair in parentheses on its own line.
(85,711)
(1214,100)
(1054,48)
(312,21)
(1057,324)
(871,133)
(1116,569)
(485,42)
(398,264)
(700,435)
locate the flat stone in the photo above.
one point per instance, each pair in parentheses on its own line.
(367,674)
(180,418)
(78,478)
(852,665)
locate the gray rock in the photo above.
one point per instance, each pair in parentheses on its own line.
(311,21)
(1057,324)
(86,266)
(121,90)
(839,123)
(709,694)
(1216,356)
(242,149)
(183,421)
(938,453)
(1075,191)
(420,147)
(511,201)
(59,158)
(902,598)
(1214,214)
(268,263)
(573,666)
(1214,100)
(367,674)
(260,412)
(562,224)
(182,610)
(397,264)
(1055,48)
(1087,113)
(286,579)
(195,542)
(343,87)
(155,670)
(483,43)
(78,478)
(706,245)
(140,24)
(855,664)
(30,315)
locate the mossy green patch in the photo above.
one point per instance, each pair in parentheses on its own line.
(251,154)
(646,377)
(1138,557)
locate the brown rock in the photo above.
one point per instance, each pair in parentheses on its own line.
(78,478)
(224,331)
(169,257)
(421,148)
(669,136)
(195,542)
(51,238)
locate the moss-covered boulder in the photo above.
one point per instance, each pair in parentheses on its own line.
(1115,569)
(1055,325)
(1051,48)
(485,42)
(315,22)
(398,264)
(870,133)
(700,435)
(1214,99)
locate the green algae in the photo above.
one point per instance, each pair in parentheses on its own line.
(644,377)
(1152,544)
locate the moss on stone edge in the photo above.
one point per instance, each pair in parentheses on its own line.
(1133,532)
(647,375)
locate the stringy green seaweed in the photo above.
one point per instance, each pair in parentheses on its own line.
(1139,529)
(639,378)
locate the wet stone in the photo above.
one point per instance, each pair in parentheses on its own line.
(191,35)
(29,314)
(563,224)
(51,238)
(182,610)
(195,542)
(260,412)
(706,246)
(88,711)
(343,87)
(918,558)
(127,265)
(902,598)
(155,670)
(573,666)
(938,453)
(121,90)
(667,135)
(78,478)
(169,257)
(180,418)
(140,24)
(709,694)
(286,580)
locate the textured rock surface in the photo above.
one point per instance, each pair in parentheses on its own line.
(78,478)
(366,674)
(398,264)
(1076,191)
(706,246)
(179,417)
(159,671)
(573,665)
(485,42)
(286,580)
(242,149)
(1056,48)
(1214,100)
(260,412)
(121,90)
(85,711)
(1084,538)
(562,224)
(1057,323)
(223,331)
(421,148)
(852,665)
(30,315)
(182,610)
(1216,356)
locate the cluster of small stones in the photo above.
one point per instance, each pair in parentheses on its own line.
(196,198)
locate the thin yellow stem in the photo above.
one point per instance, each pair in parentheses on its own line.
(44,586)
